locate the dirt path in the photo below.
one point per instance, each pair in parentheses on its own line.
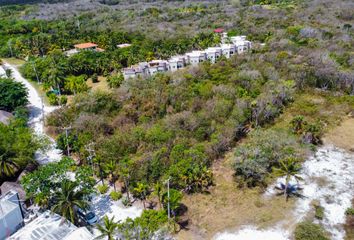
(343,135)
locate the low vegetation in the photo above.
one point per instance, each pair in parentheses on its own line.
(309,231)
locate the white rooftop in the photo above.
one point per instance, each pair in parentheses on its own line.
(213,49)
(195,53)
(227,45)
(50,226)
(6,207)
(123,45)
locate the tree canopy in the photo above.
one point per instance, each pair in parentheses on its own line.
(12,95)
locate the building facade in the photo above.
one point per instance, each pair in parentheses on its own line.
(229,47)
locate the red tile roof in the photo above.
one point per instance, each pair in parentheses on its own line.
(85,45)
(219,30)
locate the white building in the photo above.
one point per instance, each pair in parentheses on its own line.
(51,226)
(242,45)
(141,69)
(156,66)
(213,53)
(11,215)
(176,62)
(196,57)
(228,50)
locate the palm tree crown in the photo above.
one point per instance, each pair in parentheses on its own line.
(108,229)
(68,200)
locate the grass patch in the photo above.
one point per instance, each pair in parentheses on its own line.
(317,106)
(100,85)
(14,61)
(227,206)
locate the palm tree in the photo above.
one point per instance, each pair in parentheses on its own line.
(158,193)
(297,124)
(9,165)
(68,199)
(141,191)
(108,229)
(111,169)
(76,84)
(289,167)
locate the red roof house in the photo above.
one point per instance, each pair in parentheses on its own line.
(219,30)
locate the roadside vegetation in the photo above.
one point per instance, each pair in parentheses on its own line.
(17,142)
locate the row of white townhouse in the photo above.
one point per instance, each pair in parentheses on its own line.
(229,47)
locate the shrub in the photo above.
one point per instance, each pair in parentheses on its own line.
(264,150)
(349,212)
(309,231)
(102,188)
(115,81)
(94,78)
(126,202)
(62,100)
(53,99)
(115,196)
(319,212)
(148,224)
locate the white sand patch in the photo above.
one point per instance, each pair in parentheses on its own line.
(251,233)
(102,205)
(329,179)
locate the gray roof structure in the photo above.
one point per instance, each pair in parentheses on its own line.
(51,226)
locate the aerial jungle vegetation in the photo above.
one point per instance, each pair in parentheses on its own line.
(176,125)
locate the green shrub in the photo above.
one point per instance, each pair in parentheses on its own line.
(319,212)
(62,100)
(255,159)
(115,196)
(349,211)
(126,202)
(102,188)
(53,99)
(309,231)
(114,81)
(94,78)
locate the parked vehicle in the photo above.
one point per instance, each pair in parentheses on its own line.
(88,217)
